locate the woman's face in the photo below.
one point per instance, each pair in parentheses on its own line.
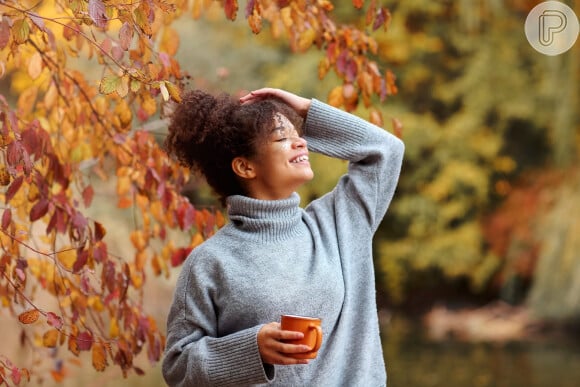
(281,164)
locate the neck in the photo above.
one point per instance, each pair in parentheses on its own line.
(265,219)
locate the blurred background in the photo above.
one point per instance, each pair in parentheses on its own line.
(478,258)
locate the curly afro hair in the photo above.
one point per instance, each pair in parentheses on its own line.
(207,132)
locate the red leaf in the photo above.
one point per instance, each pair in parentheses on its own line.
(84,341)
(4,33)
(100,252)
(250,7)
(231,9)
(185,215)
(14,187)
(357,3)
(15,375)
(100,231)
(88,194)
(54,320)
(39,210)
(97,13)
(81,261)
(6,218)
(382,19)
(179,256)
(125,36)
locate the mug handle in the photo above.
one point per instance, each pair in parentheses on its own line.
(318,337)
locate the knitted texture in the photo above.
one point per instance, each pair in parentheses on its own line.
(275,258)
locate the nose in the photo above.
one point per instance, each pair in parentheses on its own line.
(299,142)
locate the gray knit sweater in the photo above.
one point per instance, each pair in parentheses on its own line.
(274,258)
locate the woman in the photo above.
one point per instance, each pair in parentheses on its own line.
(274,257)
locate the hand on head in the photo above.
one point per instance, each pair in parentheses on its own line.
(300,104)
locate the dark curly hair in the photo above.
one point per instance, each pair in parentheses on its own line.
(207,132)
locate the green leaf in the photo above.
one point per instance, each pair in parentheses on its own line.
(109,84)
(21,30)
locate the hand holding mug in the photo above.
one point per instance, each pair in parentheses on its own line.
(274,346)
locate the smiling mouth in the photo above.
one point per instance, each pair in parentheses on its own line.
(299,159)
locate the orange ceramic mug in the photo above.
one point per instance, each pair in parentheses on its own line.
(310,326)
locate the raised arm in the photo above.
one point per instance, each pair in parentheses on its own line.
(375,157)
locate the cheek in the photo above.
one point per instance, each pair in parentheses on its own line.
(285,146)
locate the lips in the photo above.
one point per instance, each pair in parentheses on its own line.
(299,159)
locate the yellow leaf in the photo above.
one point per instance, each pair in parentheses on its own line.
(123,86)
(196,240)
(113,328)
(67,257)
(149,105)
(35,65)
(95,303)
(51,96)
(123,185)
(27,99)
(50,338)
(286,13)
(29,316)
(169,41)
(123,111)
(174,91)
(306,39)
(139,240)
(335,97)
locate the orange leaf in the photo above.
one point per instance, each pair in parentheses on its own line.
(99,357)
(29,316)
(50,338)
(336,98)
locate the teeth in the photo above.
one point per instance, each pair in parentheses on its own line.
(300,159)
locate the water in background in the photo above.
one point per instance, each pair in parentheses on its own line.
(413,360)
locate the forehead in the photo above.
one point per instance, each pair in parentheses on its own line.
(281,121)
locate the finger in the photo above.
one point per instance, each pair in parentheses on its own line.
(289,335)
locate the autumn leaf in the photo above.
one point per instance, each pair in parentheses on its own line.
(6,218)
(84,341)
(29,316)
(4,33)
(35,65)
(164,91)
(39,209)
(20,30)
(231,9)
(109,84)
(174,91)
(97,13)
(54,320)
(125,36)
(99,357)
(50,338)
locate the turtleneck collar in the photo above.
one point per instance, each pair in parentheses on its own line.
(265,220)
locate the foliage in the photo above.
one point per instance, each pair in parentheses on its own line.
(479,107)
(554,293)
(63,128)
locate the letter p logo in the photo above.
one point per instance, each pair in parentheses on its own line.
(551,22)
(552,27)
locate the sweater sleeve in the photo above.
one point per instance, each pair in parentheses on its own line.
(375,157)
(195,355)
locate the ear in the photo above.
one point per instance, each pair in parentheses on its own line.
(243,167)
